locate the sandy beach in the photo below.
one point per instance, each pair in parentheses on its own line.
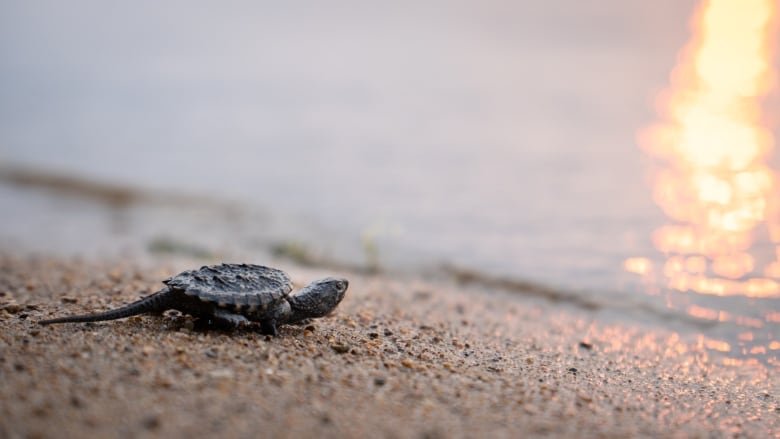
(557,219)
(399,358)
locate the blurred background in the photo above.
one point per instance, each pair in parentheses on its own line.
(493,138)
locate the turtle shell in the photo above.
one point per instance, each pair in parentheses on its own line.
(246,286)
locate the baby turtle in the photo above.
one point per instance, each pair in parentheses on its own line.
(230,295)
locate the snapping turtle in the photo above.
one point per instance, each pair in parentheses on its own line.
(230,295)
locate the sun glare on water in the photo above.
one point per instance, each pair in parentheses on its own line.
(713,144)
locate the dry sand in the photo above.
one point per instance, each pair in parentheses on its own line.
(400,358)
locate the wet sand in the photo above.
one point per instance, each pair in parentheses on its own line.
(399,358)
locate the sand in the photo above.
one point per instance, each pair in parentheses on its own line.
(399,358)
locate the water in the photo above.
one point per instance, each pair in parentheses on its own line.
(493,135)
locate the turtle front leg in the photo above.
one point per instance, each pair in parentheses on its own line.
(277,315)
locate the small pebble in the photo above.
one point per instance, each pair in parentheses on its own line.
(222,373)
(151,422)
(115,275)
(340,348)
(380,381)
(422,295)
(586,345)
(573,370)
(41,410)
(75,401)
(12,308)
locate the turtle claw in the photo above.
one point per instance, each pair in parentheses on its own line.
(268,327)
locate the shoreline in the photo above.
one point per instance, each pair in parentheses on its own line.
(399,358)
(76,215)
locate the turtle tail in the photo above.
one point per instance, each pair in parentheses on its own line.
(157,302)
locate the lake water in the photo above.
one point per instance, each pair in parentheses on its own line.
(497,136)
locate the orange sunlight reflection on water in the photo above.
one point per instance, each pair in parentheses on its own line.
(714,183)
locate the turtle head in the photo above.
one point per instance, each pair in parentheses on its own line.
(317,299)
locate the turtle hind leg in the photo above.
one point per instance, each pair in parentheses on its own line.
(222,319)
